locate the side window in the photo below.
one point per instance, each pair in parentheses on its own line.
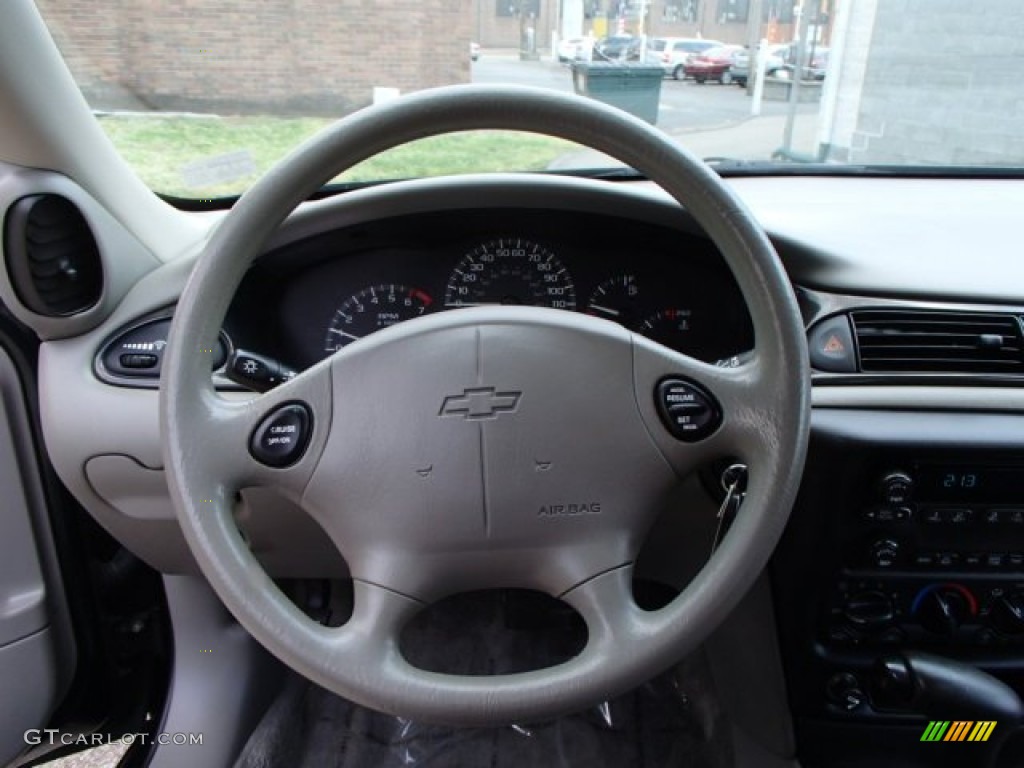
(680,10)
(529,8)
(732,11)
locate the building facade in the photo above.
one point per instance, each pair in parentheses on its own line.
(310,57)
(924,82)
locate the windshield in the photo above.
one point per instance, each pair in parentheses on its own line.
(202,99)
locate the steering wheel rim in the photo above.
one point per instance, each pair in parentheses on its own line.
(765,404)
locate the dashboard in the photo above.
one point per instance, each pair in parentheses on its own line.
(305,300)
(906,533)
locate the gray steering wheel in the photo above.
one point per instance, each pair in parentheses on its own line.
(445,454)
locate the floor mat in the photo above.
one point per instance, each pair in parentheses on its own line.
(673,721)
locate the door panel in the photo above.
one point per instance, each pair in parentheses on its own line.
(36,654)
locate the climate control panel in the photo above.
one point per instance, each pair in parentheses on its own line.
(977,611)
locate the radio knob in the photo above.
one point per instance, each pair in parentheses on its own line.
(1007,614)
(897,488)
(942,611)
(884,553)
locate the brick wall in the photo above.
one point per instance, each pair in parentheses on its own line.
(296,56)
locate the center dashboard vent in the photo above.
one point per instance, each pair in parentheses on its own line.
(938,341)
(52,256)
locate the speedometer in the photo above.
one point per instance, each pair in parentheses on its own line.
(510,270)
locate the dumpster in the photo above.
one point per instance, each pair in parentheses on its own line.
(630,86)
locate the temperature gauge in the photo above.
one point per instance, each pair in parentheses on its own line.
(671,327)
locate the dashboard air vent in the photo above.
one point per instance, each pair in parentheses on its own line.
(902,341)
(52,257)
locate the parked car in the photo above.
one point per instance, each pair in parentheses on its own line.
(817,63)
(474,51)
(774,60)
(671,53)
(617,48)
(571,49)
(712,64)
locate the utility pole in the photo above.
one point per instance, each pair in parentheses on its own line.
(755,23)
(807,9)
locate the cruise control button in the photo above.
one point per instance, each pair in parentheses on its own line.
(282,436)
(688,411)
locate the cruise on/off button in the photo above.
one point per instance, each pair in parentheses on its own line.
(281,438)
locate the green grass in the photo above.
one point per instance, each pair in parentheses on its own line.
(158,148)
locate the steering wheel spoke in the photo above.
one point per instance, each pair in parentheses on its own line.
(698,413)
(606,604)
(274,439)
(371,634)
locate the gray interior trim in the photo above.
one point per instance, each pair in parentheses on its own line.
(29,558)
(30,688)
(639,202)
(23,591)
(823,304)
(883,236)
(124,258)
(918,398)
(747,665)
(222,681)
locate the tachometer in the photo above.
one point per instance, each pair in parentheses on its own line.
(510,270)
(373,308)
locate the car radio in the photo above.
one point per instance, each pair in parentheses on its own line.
(935,557)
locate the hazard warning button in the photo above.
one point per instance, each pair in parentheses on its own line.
(831,346)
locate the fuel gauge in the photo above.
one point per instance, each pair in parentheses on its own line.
(616,299)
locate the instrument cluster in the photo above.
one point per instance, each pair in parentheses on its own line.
(333,290)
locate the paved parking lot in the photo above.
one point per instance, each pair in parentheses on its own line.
(712,120)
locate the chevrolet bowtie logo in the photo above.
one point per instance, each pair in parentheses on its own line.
(480,403)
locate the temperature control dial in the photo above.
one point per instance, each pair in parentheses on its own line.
(942,608)
(1007,614)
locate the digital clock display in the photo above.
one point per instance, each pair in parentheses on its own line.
(965,482)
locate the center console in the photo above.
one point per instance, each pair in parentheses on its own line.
(935,556)
(908,535)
